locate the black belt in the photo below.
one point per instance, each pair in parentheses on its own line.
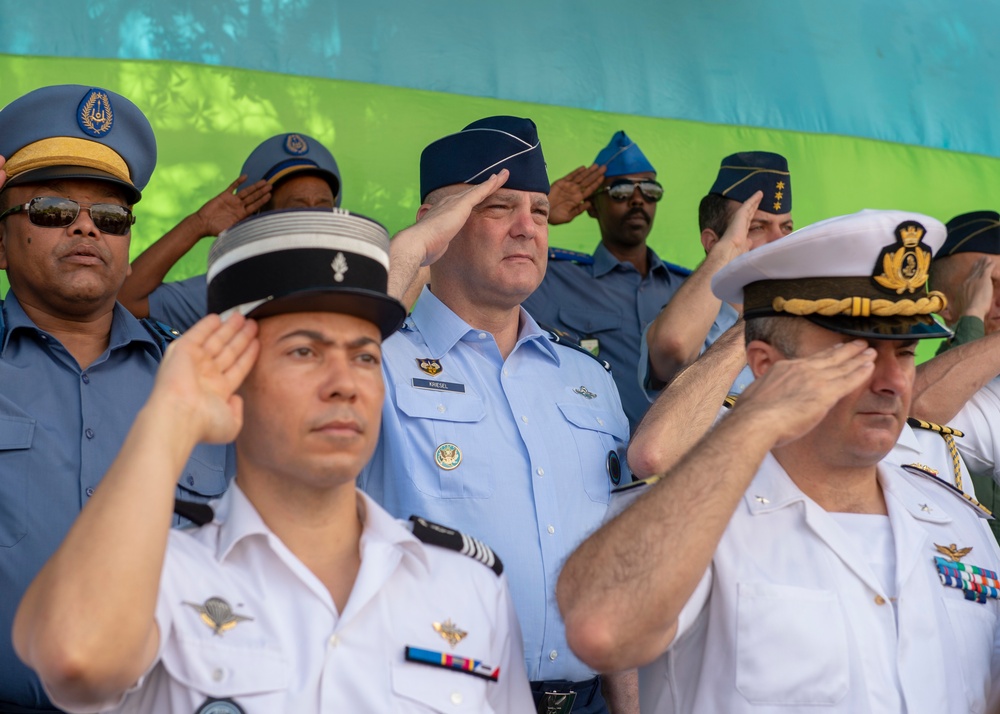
(558,696)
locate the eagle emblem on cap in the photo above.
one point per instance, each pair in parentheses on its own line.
(904,265)
(296,145)
(94,115)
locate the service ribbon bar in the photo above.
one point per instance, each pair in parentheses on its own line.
(977,583)
(474,667)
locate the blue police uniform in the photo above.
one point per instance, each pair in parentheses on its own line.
(607,304)
(521,453)
(180,304)
(60,429)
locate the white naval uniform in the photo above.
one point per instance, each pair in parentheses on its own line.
(927,447)
(979,420)
(298,654)
(791,617)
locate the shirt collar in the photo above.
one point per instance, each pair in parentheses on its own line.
(605,262)
(124,327)
(442,329)
(237,519)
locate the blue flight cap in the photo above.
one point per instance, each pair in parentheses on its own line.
(75,131)
(480,150)
(283,155)
(975,232)
(741,175)
(622,157)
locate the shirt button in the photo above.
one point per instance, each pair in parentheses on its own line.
(505,373)
(89,433)
(879,600)
(524,419)
(85,378)
(441,408)
(552,655)
(190,480)
(551,529)
(334,640)
(90,491)
(217,674)
(600,421)
(482,335)
(456,698)
(540,472)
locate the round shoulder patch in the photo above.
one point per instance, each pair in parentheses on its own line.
(94,115)
(296,145)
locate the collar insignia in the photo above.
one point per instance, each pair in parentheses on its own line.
(450,632)
(429,366)
(904,264)
(94,114)
(217,614)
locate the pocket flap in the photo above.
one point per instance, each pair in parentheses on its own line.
(205,472)
(595,420)
(589,321)
(442,406)
(16,432)
(221,670)
(441,690)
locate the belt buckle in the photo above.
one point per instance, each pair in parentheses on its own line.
(556,703)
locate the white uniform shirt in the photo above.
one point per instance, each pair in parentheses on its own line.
(979,419)
(298,654)
(790,614)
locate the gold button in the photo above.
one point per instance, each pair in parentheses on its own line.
(879,600)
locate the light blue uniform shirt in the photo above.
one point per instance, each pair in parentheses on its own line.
(180,304)
(603,299)
(60,429)
(533,481)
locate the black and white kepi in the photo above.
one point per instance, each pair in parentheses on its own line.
(304,260)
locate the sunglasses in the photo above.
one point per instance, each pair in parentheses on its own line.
(622,189)
(56,212)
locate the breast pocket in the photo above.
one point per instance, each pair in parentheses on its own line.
(597,434)
(439,690)
(255,678)
(791,646)
(16,433)
(204,476)
(974,627)
(450,457)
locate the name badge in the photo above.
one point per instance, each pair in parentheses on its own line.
(437,386)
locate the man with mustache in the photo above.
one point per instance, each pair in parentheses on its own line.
(297,593)
(607,299)
(783,564)
(489,424)
(75,366)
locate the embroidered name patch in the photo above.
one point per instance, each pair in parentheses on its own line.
(436,386)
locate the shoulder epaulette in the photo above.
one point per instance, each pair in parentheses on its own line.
(575,256)
(569,342)
(678,268)
(434,534)
(635,485)
(197,513)
(931,475)
(931,426)
(730,401)
(164,334)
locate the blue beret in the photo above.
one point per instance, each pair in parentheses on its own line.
(976,232)
(741,175)
(622,156)
(286,154)
(480,150)
(75,131)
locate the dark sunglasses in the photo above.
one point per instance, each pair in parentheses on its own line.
(56,212)
(622,189)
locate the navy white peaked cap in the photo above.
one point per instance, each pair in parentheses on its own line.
(304,260)
(482,149)
(863,274)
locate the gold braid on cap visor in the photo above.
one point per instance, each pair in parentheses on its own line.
(861,306)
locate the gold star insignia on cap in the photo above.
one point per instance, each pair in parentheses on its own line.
(217,614)
(780,185)
(449,631)
(952,551)
(777,205)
